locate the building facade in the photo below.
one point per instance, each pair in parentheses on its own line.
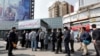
(45,23)
(59,9)
(32,9)
(85,3)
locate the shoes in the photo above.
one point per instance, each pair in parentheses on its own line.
(68,55)
(11,55)
(35,50)
(79,49)
(53,50)
(64,52)
(85,54)
(60,50)
(15,48)
(72,51)
(56,53)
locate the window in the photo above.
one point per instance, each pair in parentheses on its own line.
(32,6)
(32,2)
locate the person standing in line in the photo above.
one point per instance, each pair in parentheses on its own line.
(27,39)
(86,40)
(96,39)
(46,40)
(37,38)
(59,41)
(16,39)
(32,36)
(67,40)
(78,38)
(72,40)
(23,39)
(6,39)
(41,37)
(53,38)
(12,40)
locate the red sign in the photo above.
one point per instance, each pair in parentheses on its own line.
(76,27)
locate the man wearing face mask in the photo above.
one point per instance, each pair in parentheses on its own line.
(67,40)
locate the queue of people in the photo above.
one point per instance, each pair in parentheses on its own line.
(42,40)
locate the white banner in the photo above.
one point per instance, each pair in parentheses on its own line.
(29,24)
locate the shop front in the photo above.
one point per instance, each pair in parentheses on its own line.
(78,26)
(84,23)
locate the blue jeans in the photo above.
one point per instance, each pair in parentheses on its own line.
(33,44)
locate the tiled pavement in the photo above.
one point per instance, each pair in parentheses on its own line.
(28,52)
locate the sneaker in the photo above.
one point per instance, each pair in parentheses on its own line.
(56,53)
(85,54)
(72,51)
(35,50)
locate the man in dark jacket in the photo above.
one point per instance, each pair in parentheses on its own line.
(12,39)
(72,40)
(53,37)
(67,40)
(59,41)
(23,39)
(96,39)
(16,42)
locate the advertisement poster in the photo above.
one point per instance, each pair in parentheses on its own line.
(14,10)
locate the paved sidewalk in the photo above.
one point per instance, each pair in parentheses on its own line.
(28,52)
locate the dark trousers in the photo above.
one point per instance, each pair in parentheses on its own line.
(97,48)
(46,46)
(37,42)
(59,46)
(72,45)
(7,45)
(10,49)
(42,43)
(53,45)
(67,49)
(23,42)
(28,43)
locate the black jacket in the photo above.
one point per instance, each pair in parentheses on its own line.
(12,37)
(59,35)
(96,34)
(53,35)
(66,35)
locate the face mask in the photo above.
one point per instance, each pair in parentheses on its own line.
(64,30)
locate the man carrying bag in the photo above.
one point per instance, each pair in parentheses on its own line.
(12,39)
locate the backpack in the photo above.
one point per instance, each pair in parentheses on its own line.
(88,40)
